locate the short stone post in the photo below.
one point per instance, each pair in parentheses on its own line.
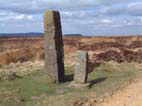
(81,70)
(81,67)
(54,53)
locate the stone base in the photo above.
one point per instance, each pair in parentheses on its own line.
(78,85)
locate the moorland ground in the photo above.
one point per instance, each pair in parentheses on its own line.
(26,84)
(114,63)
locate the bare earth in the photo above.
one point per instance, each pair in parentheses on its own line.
(130,96)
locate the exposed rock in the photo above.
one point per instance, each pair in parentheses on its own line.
(54,53)
(81,67)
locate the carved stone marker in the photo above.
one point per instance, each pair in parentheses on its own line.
(81,67)
(54,53)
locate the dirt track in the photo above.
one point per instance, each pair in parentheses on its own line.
(130,96)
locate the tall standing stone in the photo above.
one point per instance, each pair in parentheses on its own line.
(81,67)
(54,53)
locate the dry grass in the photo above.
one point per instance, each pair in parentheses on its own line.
(34,89)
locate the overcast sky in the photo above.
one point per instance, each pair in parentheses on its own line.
(88,17)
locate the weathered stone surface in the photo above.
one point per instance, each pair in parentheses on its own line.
(81,67)
(54,53)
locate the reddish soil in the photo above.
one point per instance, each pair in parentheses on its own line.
(130,96)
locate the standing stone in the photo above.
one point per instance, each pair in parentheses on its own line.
(54,53)
(81,67)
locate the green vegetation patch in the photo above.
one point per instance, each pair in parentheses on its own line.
(36,90)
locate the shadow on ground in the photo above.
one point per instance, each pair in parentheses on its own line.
(99,80)
(68,78)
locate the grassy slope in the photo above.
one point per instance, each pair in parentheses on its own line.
(35,90)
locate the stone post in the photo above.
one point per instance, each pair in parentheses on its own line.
(54,53)
(81,67)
